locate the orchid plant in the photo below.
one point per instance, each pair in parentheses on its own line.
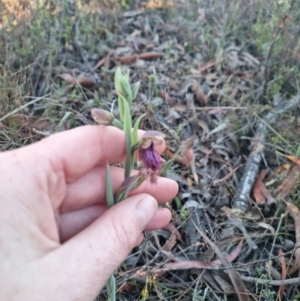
(144,148)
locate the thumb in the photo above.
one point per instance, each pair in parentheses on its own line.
(90,257)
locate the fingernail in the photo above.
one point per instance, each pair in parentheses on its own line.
(145,210)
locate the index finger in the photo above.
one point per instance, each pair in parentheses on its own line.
(77,151)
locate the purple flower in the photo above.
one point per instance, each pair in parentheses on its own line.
(150,160)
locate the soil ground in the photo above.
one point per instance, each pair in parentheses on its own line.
(221,80)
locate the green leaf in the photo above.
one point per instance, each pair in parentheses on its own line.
(127,89)
(135,89)
(65,117)
(111,288)
(121,102)
(122,85)
(118,80)
(128,132)
(136,128)
(109,189)
(178,203)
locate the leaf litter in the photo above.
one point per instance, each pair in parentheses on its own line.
(201,86)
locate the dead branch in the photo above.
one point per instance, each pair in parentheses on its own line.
(241,200)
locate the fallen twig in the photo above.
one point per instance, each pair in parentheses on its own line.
(241,201)
(271,282)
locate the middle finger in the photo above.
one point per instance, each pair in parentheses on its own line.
(90,189)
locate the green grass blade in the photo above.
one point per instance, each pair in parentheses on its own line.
(111,288)
(109,189)
(65,117)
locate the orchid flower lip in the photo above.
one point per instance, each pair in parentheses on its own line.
(150,161)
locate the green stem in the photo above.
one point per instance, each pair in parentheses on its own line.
(128,137)
(117,123)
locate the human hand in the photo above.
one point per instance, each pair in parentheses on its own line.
(58,240)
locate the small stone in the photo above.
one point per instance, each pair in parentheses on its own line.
(157,101)
(141,64)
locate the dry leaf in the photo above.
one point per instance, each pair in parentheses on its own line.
(199,93)
(174,86)
(188,153)
(170,243)
(190,264)
(25,121)
(289,183)
(100,63)
(223,243)
(172,228)
(207,65)
(68,77)
(104,61)
(291,158)
(180,108)
(81,80)
(295,214)
(159,4)
(234,254)
(126,287)
(144,56)
(151,55)
(227,176)
(86,82)
(128,59)
(234,276)
(283,275)
(260,192)
(177,158)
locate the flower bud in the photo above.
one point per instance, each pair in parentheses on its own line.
(129,184)
(122,85)
(102,117)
